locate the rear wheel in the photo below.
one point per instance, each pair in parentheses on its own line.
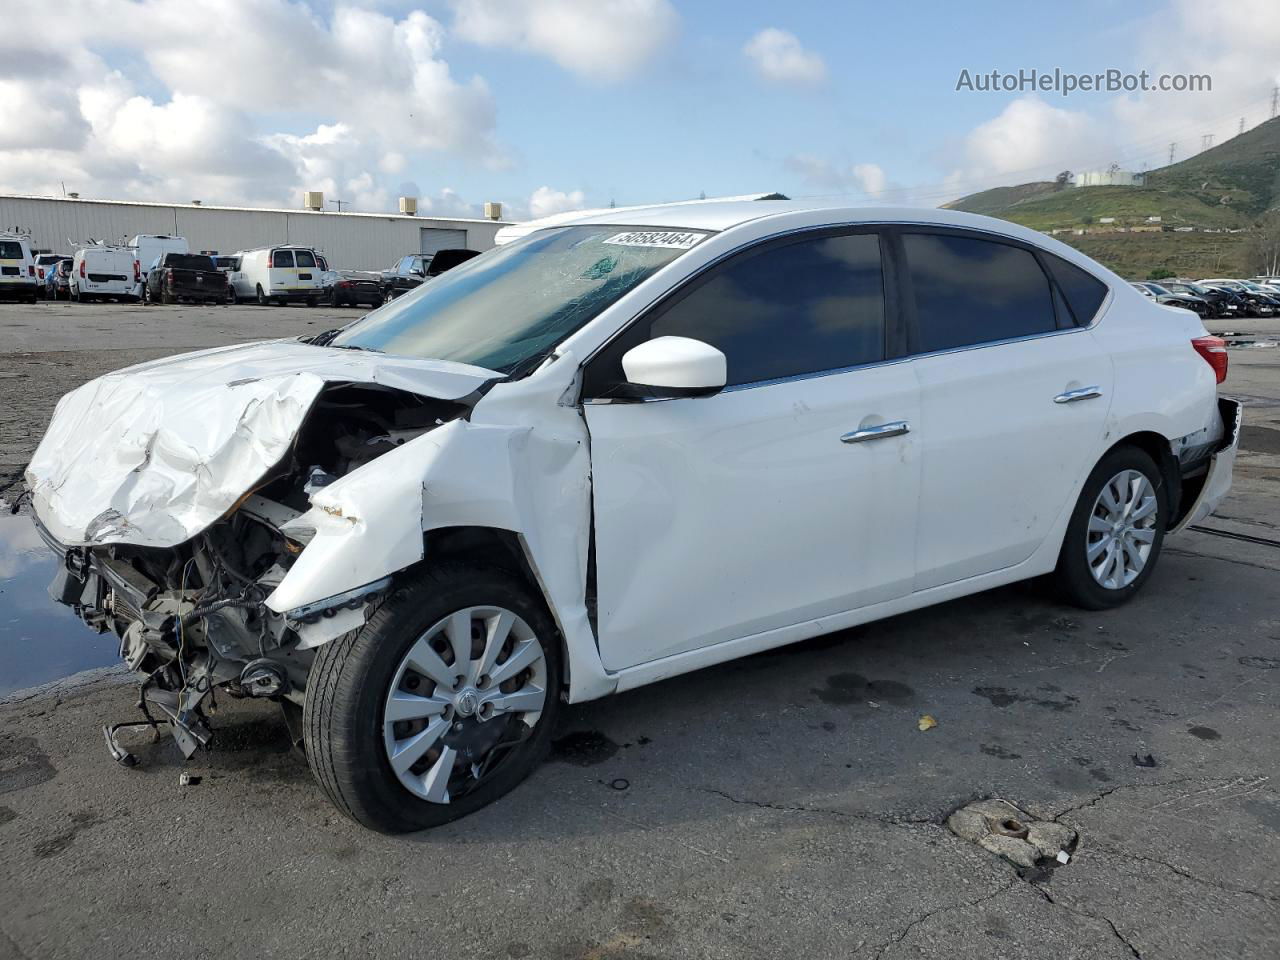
(262,297)
(443,702)
(1116,531)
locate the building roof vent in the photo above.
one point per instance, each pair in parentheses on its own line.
(493,210)
(313,200)
(409,206)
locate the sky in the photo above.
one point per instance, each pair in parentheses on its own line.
(552,105)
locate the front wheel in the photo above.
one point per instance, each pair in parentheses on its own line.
(443,702)
(1116,531)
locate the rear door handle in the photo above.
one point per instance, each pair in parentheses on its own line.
(1084,393)
(895,429)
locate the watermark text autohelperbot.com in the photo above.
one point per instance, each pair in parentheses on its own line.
(1065,83)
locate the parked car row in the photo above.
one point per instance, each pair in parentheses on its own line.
(1216,298)
(161,269)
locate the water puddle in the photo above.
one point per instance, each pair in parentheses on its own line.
(40,640)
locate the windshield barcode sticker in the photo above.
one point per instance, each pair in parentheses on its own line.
(655,238)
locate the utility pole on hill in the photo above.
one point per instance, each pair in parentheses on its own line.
(1206,141)
(1275,100)
(1171,147)
(1242,125)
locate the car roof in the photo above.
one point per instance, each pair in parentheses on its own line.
(721,215)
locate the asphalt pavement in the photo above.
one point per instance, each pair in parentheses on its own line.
(783,805)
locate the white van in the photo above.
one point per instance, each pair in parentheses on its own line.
(17,268)
(277,275)
(147,247)
(100,272)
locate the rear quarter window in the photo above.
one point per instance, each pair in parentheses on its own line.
(1084,292)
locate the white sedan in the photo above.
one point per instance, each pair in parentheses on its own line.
(612,452)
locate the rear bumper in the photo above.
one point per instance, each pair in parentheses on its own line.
(1218,480)
(278,294)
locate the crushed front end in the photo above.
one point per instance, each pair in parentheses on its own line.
(193,616)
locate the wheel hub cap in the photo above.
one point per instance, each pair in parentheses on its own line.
(466,692)
(1122,529)
(466,703)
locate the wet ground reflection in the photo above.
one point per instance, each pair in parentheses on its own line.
(39,640)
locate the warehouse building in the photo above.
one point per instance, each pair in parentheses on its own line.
(351,241)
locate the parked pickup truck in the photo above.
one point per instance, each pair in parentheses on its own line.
(185,276)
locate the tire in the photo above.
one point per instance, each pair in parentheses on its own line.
(388,296)
(262,297)
(353,676)
(167,297)
(1075,575)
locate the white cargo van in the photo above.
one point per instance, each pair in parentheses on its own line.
(101,272)
(147,247)
(277,275)
(17,268)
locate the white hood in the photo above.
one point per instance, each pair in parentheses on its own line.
(153,454)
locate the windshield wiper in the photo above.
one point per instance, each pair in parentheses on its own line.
(352,346)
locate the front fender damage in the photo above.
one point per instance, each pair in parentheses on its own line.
(376,521)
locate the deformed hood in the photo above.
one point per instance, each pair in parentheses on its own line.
(153,454)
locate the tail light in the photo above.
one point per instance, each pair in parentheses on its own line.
(81,268)
(137,272)
(168,275)
(1214,351)
(31,270)
(344,283)
(40,273)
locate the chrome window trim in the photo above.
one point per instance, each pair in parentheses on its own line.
(875,225)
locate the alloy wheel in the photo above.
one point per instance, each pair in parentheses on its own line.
(469,690)
(1122,529)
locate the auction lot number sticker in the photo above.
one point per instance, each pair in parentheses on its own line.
(655,238)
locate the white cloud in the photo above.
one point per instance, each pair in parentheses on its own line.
(779,57)
(545,201)
(864,178)
(603,40)
(378,87)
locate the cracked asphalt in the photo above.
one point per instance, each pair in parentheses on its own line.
(781,805)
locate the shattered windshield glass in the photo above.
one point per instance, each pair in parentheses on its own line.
(510,307)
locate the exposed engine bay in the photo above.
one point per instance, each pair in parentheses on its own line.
(193,618)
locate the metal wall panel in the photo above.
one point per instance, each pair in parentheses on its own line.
(350,241)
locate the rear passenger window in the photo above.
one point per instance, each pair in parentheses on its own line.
(282,258)
(970,291)
(10,250)
(1084,292)
(805,307)
(305,258)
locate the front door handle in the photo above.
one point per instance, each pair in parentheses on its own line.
(895,429)
(1084,393)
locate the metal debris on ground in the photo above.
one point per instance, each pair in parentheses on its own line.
(188,779)
(1005,830)
(927,722)
(1147,761)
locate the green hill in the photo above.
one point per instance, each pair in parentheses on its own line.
(1226,188)
(991,202)
(1243,173)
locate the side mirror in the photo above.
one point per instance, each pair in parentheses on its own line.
(674,367)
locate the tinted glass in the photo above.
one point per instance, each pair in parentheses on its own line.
(10,250)
(801,308)
(305,258)
(1083,291)
(971,291)
(282,258)
(508,309)
(189,261)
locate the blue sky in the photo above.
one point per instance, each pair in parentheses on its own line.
(548,104)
